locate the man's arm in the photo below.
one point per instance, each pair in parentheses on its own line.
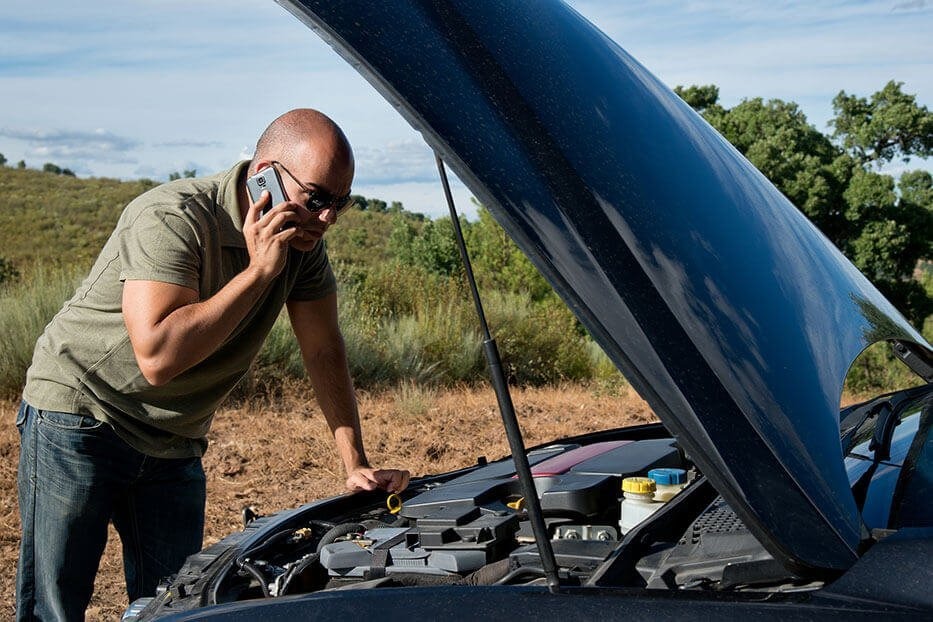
(325,358)
(171,330)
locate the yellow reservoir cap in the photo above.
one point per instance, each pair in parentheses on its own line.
(640,485)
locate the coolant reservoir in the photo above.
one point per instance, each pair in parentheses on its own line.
(638,502)
(668,483)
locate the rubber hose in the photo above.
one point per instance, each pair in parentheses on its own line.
(537,572)
(488,574)
(337,531)
(248,567)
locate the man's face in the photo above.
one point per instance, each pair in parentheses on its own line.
(319,179)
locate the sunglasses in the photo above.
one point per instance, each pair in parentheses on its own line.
(319,200)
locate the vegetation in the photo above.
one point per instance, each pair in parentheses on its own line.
(51,219)
(405,310)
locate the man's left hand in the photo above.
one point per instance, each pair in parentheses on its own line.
(390,480)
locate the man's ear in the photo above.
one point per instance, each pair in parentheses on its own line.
(259,165)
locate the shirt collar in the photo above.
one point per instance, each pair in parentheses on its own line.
(228,200)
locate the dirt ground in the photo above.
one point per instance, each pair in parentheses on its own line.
(279,455)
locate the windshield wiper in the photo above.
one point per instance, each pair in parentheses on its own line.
(506,409)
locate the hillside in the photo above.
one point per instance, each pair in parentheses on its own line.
(48,219)
(57,219)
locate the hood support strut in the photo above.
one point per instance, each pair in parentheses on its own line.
(506,409)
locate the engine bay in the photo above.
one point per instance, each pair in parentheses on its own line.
(471,528)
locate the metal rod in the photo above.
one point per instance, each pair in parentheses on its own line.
(506,408)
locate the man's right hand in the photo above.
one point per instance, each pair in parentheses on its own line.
(266,241)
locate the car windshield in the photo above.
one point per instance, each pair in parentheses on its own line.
(890,465)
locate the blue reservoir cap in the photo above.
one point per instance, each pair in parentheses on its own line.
(668,476)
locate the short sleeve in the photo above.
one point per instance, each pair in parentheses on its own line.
(160,246)
(315,278)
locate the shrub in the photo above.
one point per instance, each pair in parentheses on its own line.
(25,309)
(8,272)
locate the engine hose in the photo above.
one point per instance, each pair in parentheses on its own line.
(337,531)
(374,524)
(267,543)
(296,570)
(523,570)
(489,574)
(248,567)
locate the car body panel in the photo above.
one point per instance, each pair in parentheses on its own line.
(729,312)
(510,602)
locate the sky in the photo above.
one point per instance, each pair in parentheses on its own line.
(137,88)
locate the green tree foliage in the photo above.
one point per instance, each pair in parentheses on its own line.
(888,125)
(430,245)
(187,173)
(885,226)
(48,167)
(699,97)
(2,160)
(499,262)
(380,206)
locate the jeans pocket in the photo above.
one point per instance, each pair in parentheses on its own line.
(21,415)
(68,421)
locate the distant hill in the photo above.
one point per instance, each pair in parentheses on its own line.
(52,219)
(58,219)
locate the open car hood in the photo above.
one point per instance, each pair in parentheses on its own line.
(729,312)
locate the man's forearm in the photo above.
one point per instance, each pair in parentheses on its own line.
(325,357)
(334,391)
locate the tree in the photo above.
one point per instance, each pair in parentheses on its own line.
(21,164)
(498,261)
(48,167)
(699,97)
(2,160)
(889,125)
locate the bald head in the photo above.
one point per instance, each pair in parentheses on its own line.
(303,138)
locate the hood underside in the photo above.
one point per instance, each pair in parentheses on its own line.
(730,313)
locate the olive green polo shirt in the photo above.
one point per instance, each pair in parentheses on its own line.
(187,232)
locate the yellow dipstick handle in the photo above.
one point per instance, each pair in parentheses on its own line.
(394,503)
(518,505)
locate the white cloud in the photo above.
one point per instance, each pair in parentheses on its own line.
(65,146)
(402,161)
(154,74)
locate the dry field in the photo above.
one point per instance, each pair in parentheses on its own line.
(278,455)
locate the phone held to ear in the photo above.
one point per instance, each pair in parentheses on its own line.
(266,179)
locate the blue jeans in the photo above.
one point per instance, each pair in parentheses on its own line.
(75,476)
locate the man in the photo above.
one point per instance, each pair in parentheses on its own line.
(126,378)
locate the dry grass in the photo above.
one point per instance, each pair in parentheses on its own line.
(275,456)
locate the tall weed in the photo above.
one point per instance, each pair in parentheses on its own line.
(26,306)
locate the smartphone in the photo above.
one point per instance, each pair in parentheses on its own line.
(266,179)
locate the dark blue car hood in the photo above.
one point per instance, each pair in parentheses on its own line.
(725,307)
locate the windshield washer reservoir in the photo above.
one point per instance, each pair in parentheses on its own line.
(638,502)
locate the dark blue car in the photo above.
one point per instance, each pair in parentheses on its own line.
(729,312)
